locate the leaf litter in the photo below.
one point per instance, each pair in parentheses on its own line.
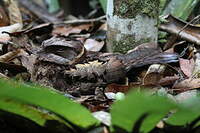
(70,57)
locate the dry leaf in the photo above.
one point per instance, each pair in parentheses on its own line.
(61,50)
(169,80)
(187,84)
(154,74)
(186,66)
(10,55)
(4,21)
(93,45)
(12,28)
(14,12)
(180,28)
(196,68)
(117,88)
(63,30)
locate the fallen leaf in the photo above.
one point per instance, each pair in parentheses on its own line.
(169,80)
(12,28)
(154,74)
(187,84)
(181,29)
(10,55)
(65,31)
(186,66)
(93,45)
(4,20)
(14,12)
(196,68)
(61,50)
(117,88)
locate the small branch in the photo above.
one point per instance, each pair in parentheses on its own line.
(84,20)
(196,18)
(179,28)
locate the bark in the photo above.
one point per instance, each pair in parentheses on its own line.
(130,23)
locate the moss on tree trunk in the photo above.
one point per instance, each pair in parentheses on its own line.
(130,23)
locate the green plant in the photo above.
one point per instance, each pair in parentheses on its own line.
(138,112)
(103,4)
(179,8)
(42,104)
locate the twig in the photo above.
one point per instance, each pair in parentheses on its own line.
(84,20)
(80,36)
(196,18)
(179,28)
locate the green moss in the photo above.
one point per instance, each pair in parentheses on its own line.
(131,8)
(121,46)
(126,43)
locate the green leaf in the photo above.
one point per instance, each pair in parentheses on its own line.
(180,8)
(53,5)
(186,112)
(163,3)
(136,106)
(103,5)
(27,111)
(49,100)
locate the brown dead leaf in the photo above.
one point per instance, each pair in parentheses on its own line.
(93,45)
(31,38)
(12,28)
(183,30)
(186,66)
(41,29)
(95,106)
(154,74)
(4,20)
(14,12)
(61,50)
(103,27)
(196,68)
(10,55)
(169,80)
(65,31)
(152,78)
(170,42)
(187,84)
(117,88)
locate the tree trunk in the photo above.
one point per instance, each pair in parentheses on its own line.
(130,23)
